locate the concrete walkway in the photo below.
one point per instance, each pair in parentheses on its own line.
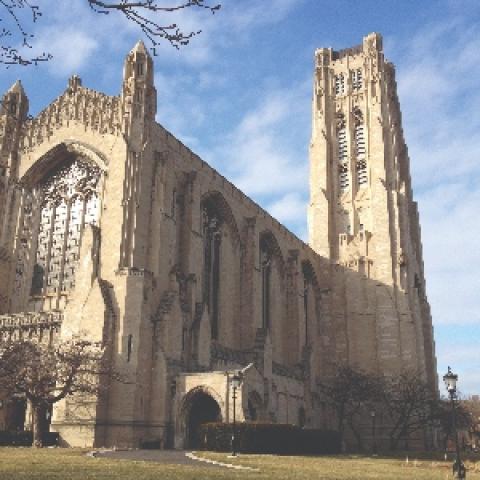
(173,457)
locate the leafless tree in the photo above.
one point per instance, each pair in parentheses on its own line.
(17,16)
(408,404)
(44,374)
(349,393)
(442,416)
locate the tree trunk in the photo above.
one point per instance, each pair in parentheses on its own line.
(393,441)
(38,425)
(357,435)
(341,428)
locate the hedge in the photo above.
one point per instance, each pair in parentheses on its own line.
(25,439)
(268,438)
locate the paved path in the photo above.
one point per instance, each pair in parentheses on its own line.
(174,457)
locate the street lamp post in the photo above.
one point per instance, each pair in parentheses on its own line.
(374,445)
(235,383)
(450,379)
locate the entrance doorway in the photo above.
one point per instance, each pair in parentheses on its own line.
(203,409)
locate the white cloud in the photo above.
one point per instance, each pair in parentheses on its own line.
(71,48)
(464,359)
(440,119)
(262,155)
(233,23)
(450,232)
(291,209)
(248,14)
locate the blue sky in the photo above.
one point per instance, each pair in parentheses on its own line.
(239,95)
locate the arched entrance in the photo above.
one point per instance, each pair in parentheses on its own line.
(203,409)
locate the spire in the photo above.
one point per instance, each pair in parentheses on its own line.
(139,63)
(15,102)
(17,87)
(139,97)
(139,48)
(14,110)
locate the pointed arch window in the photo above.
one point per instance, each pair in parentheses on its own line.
(308,298)
(266,256)
(306,301)
(13,103)
(212,236)
(67,200)
(140,66)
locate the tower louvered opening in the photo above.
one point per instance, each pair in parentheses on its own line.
(344,182)
(361,161)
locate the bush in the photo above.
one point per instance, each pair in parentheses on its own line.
(25,439)
(151,444)
(268,438)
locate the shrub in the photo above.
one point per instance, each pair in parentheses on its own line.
(25,439)
(151,444)
(268,438)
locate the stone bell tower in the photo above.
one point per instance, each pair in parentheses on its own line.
(362,215)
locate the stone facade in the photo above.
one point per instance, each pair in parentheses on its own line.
(111,227)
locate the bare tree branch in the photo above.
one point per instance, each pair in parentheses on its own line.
(11,12)
(138,12)
(349,393)
(17,17)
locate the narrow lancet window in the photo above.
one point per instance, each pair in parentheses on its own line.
(266,266)
(305,306)
(212,240)
(129,347)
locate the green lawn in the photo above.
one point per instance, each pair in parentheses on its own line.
(73,464)
(351,467)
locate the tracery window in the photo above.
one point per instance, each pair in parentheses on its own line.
(211,243)
(68,201)
(357,79)
(343,173)
(340,84)
(361,160)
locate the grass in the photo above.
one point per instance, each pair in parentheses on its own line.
(73,464)
(351,467)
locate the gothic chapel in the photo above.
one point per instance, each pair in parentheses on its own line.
(109,225)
